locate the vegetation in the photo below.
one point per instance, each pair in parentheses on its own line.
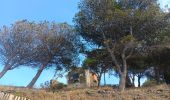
(131,39)
(99,62)
(122,27)
(159,92)
(149,83)
(38,45)
(52,88)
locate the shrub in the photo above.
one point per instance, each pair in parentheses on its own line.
(149,83)
(48,87)
(60,86)
(45,85)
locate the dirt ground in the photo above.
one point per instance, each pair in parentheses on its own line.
(160,92)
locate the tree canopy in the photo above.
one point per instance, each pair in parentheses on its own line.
(122,27)
(38,45)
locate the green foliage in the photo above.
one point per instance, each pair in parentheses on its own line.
(60,86)
(114,19)
(138,62)
(53,88)
(159,58)
(45,85)
(89,62)
(97,60)
(127,39)
(113,24)
(148,83)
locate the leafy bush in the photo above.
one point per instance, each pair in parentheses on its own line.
(60,86)
(149,83)
(45,85)
(48,87)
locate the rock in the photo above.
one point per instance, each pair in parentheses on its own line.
(105,92)
(160,90)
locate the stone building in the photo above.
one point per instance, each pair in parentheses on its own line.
(79,77)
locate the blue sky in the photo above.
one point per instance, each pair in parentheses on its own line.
(34,10)
(38,10)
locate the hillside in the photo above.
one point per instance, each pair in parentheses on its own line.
(160,92)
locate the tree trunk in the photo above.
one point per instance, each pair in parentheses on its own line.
(122,82)
(133,80)
(4,71)
(33,81)
(139,81)
(104,78)
(157,75)
(99,78)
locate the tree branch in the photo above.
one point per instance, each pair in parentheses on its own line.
(112,55)
(130,54)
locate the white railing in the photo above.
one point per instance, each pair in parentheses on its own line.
(8,96)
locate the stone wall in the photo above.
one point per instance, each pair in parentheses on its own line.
(91,79)
(82,78)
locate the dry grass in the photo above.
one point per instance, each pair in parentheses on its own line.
(161,92)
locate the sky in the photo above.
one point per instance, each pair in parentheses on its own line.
(39,10)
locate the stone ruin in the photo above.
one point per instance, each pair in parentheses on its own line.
(79,77)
